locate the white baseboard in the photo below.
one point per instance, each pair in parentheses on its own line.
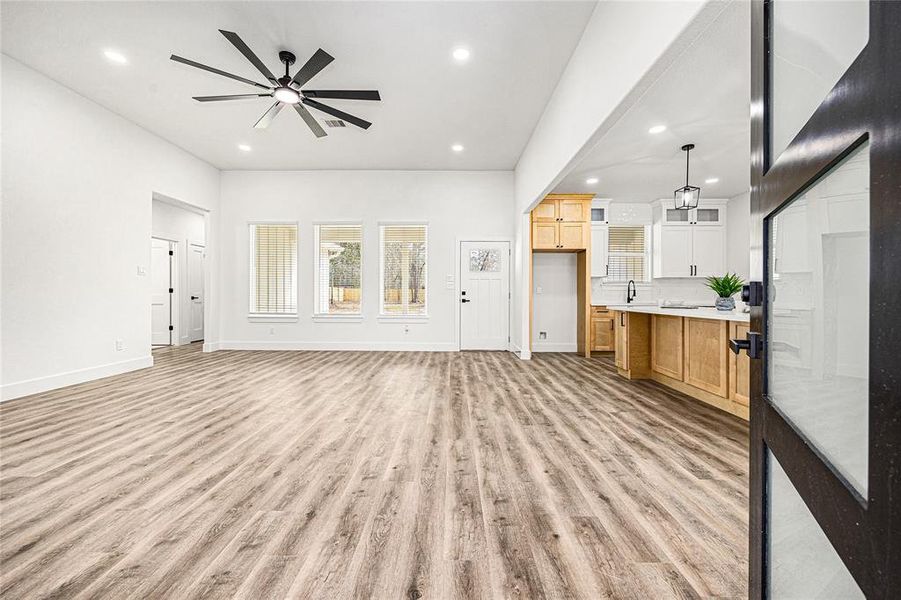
(27,387)
(211,346)
(343,346)
(554,347)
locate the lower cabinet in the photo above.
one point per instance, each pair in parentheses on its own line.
(739,367)
(621,334)
(706,360)
(666,346)
(603,331)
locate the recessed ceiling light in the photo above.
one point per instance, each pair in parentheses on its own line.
(115,57)
(712,180)
(461,54)
(591,180)
(457,147)
(657,129)
(244,147)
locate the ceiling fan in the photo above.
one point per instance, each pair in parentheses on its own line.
(287,89)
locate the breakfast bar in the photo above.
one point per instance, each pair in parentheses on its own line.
(686,349)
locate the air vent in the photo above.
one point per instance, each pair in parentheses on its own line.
(335,123)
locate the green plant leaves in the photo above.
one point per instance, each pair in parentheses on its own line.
(725,286)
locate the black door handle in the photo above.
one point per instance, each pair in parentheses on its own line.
(464,300)
(753,345)
(195,297)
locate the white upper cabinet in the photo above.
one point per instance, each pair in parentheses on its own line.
(599,236)
(600,213)
(689,243)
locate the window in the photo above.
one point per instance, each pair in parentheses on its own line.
(273,269)
(403,269)
(627,254)
(339,262)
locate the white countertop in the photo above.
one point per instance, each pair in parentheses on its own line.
(695,313)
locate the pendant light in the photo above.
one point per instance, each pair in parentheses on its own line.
(686,197)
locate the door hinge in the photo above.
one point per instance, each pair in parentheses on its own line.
(171,290)
(171,328)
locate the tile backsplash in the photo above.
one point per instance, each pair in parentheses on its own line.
(689,290)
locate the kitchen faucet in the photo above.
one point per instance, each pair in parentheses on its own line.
(630,291)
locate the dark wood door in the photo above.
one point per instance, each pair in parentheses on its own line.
(825,400)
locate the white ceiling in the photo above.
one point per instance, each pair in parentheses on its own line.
(704,99)
(403,49)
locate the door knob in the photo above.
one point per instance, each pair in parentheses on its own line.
(753,345)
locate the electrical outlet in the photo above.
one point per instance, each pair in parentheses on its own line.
(542,335)
(538,290)
(120,345)
(272,331)
(406,329)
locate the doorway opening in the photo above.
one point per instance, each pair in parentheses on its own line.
(178,273)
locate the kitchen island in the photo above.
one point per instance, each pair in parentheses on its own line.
(685,349)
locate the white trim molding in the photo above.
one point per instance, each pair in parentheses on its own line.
(342,346)
(27,387)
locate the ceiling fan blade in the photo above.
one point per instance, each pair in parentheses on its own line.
(191,63)
(337,113)
(316,63)
(267,117)
(343,94)
(238,43)
(310,120)
(232,97)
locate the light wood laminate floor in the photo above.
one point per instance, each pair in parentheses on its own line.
(371,475)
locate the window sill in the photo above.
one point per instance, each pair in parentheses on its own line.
(259,318)
(326,318)
(403,318)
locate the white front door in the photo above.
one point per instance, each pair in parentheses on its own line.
(484,295)
(161,297)
(195,292)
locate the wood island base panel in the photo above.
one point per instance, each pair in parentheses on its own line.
(688,354)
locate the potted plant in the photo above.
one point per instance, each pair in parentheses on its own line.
(725,287)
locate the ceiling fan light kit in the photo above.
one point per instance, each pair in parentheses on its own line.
(287,90)
(687,196)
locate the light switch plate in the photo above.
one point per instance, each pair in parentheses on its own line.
(449,282)
(141,271)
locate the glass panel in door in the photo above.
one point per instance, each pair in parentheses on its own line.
(813,42)
(818,315)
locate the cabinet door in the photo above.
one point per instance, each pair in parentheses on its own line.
(546,212)
(602,334)
(599,251)
(573,211)
(675,252)
(739,366)
(621,322)
(675,216)
(707,249)
(706,363)
(544,236)
(666,345)
(707,216)
(573,236)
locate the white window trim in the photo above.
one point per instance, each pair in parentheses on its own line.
(317,314)
(647,255)
(252,315)
(394,318)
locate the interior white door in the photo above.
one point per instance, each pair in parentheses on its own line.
(161,298)
(196,265)
(599,234)
(708,251)
(484,295)
(675,251)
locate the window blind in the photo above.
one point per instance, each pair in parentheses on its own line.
(339,267)
(273,269)
(404,258)
(627,253)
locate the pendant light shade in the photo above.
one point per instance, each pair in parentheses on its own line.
(687,196)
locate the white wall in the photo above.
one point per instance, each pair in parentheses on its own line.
(77,186)
(185,227)
(555,303)
(738,235)
(456,205)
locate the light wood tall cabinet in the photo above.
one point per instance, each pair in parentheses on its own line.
(562,223)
